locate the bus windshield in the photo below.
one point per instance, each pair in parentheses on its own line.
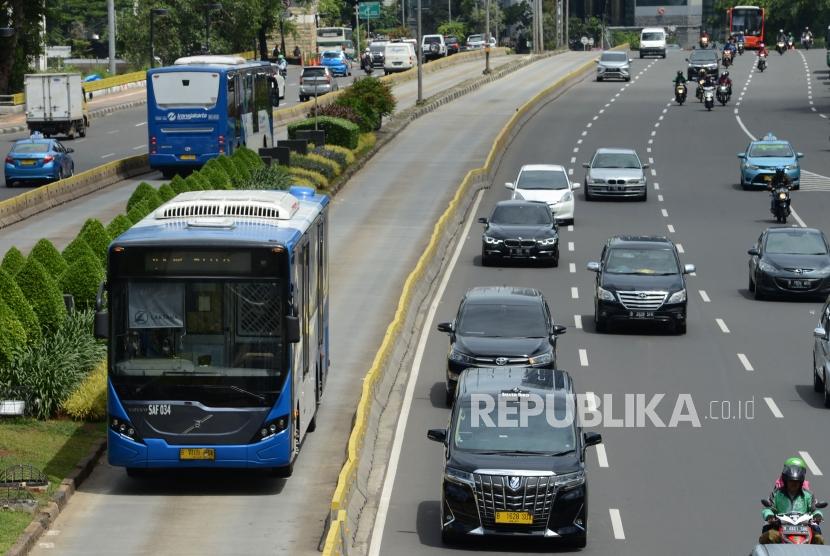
(186,89)
(747,21)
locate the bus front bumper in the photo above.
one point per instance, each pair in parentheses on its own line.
(274,451)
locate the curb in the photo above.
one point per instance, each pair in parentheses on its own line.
(46,516)
(92,114)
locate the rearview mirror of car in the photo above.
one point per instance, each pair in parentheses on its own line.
(576,185)
(593,266)
(482,220)
(437,435)
(688,268)
(820,333)
(592,438)
(70,150)
(586,164)
(508,185)
(754,252)
(558,329)
(646,166)
(799,155)
(445,327)
(742,155)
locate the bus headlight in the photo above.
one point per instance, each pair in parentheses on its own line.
(270,428)
(124,428)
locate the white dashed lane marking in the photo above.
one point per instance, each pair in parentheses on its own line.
(574,292)
(773,407)
(670,228)
(583,357)
(616,524)
(704,296)
(570,246)
(572,268)
(745,362)
(602,457)
(810,463)
(722,326)
(578,322)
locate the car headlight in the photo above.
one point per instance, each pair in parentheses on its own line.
(595,180)
(677,297)
(604,294)
(542,359)
(547,241)
(764,266)
(491,240)
(458,476)
(752,166)
(568,196)
(456,355)
(570,480)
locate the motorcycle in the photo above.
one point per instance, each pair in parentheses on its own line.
(709,97)
(740,48)
(781,206)
(723,94)
(366,64)
(806,42)
(762,62)
(795,528)
(780,46)
(282,68)
(699,90)
(680,93)
(727,58)
(790,44)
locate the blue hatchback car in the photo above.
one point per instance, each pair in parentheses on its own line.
(36,160)
(337,62)
(763,157)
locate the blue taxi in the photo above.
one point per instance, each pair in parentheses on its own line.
(337,62)
(763,157)
(37,159)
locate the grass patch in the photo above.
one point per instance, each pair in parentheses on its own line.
(55,447)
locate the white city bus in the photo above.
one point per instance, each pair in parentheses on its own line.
(335,38)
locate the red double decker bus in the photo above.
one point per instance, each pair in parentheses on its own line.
(750,21)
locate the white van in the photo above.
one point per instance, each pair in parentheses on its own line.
(398,56)
(653,41)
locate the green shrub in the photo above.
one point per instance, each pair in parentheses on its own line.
(166,193)
(242,168)
(304,182)
(178,185)
(202,179)
(252,157)
(348,154)
(97,237)
(337,111)
(82,279)
(46,254)
(76,249)
(342,156)
(153,200)
(141,191)
(367,141)
(13,261)
(44,295)
(274,177)
(230,169)
(13,336)
(371,99)
(318,180)
(216,178)
(11,293)
(44,374)
(88,402)
(630,37)
(338,131)
(321,164)
(139,211)
(192,183)
(119,225)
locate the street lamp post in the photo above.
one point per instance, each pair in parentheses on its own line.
(154,12)
(420,50)
(209,8)
(487,40)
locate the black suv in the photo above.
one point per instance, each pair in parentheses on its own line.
(702,59)
(640,278)
(524,230)
(497,327)
(514,474)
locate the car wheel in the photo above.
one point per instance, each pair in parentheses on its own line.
(758,294)
(628,78)
(599,78)
(600,323)
(449,395)
(680,328)
(644,198)
(818,385)
(555,260)
(588,196)
(485,260)
(751,286)
(82,131)
(578,542)
(641,55)
(447,536)
(136,472)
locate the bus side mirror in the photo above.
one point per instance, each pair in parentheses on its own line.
(101,327)
(292,329)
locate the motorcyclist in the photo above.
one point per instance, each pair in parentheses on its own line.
(366,59)
(780,179)
(724,79)
(704,39)
(731,48)
(739,37)
(282,65)
(762,50)
(782,36)
(679,78)
(792,497)
(806,36)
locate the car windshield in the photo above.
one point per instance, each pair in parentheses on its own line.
(624,260)
(475,38)
(703,56)
(796,243)
(314,72)
(771,150)
(547,432)
(27,148)
(450,40)
(614,57)
(655,36)
(542,179)
(432,40)
(375,48)
(525,214)
(331,55)
(502,320)
(616,160)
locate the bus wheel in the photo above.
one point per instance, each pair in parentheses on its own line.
(168,173)
(312,425)
(283,471)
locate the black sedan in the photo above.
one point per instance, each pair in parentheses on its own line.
(792,261)
(522,230)
(500,327)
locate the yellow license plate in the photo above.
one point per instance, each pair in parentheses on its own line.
(767,177)
(188,157)
(197,454)
(28,162)
(514,518)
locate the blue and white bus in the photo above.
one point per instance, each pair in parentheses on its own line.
(218,331)
(204,106)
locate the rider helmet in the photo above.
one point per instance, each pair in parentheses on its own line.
(680,73)
(725,74)
(794,468)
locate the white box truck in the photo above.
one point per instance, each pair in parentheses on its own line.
(55,104)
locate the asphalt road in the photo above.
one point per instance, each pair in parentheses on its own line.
(380,223)
(685,490)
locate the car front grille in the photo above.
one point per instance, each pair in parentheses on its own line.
(622,181)
(799,270)
(642,300)
(502,361)
(534,495)
(514,243)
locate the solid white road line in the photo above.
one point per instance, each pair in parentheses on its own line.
(574,292)
(578,321)
(773,407)
(797,218)
(570,246)
(107,155)
(139,124)
(602,457)
(583,357)
(745,362)
(616,524)
(722,325)
(139,147)
(810,463)
(572,268)
(395,455)
(743,127)
(705,296)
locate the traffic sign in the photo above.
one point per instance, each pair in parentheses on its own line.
(584,40)
(368,10)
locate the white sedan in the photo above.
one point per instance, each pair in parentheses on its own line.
(547,183)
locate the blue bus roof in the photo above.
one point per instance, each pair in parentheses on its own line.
(206,67)
(242,218)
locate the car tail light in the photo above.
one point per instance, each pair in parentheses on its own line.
(9,160)
(48,158)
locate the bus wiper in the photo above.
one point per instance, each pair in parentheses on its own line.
(243,391)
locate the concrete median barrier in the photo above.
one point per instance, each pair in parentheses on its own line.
(49,196)
(356,495)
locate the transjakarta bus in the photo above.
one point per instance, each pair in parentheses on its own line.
(204,106)
(750,20)
(218,331)
(335,38)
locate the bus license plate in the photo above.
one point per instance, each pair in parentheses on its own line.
(197,454)
(641,314)
(514,518)
(188,157)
